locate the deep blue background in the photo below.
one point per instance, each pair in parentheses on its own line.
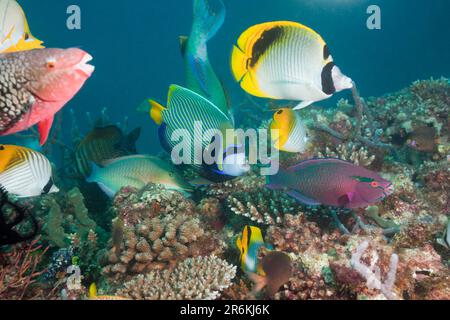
(136,54)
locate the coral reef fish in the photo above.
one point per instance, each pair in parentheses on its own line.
(288,61)
(331,182)
(192,114)
(424,139)
(104,143)
(209,16)
(249,243)
(8,235)
(38,83)
(277,267)
(288,132)
(94,296)
(15,33)
(25,172)
(136,171)
(445,240)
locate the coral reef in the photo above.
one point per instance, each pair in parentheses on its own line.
(262,205)
(160,228)
(200,278)
(19,270)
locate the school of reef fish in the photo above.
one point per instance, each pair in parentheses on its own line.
(360,207)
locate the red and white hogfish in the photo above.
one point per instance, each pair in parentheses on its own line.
(331,182)
(36,84)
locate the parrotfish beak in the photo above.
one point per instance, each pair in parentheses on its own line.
(83,65)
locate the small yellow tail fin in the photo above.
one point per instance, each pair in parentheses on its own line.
(156,111)
(92,290)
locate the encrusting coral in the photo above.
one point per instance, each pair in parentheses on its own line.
(200,278)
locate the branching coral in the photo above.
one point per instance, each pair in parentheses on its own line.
(243,184)
(349,152)
(262,205)
(201,278)
(19,270)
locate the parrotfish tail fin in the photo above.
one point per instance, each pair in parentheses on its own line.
(209,16)
(259,281)
(94,172)
(131,140)
(156,111)
(277,181)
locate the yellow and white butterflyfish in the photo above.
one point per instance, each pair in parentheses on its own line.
(249,243)
(15,33)
(25,172)
(286,60)
(288,131)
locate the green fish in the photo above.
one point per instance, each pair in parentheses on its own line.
(137,171)
(209,16)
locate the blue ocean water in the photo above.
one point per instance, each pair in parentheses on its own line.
(136,49)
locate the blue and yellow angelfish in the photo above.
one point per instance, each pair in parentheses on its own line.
(249,243)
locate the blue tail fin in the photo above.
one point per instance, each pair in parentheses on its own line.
(209,16)
(95,169)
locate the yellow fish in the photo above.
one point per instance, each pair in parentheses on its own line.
(25,172)
(249,243)
(287,61)
(93,294)
(15,32)
(288,132)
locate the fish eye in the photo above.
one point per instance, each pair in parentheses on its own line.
(2,148)
(374,184)
(280,112)
(26,36)
(51,63)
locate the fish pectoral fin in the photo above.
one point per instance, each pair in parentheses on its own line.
(303,199)
(259,281)
(345,199)
(303,104)
(44,128)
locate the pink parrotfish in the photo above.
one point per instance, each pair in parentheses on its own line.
(331,182)
(36,84)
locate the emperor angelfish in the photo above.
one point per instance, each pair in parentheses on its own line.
(287,61)
(189,113)
(209,16)
(15,33)
(288,131)
(25,172)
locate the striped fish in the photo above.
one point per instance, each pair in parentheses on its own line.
(196,116)
(15,33)
(288,132)
(25,172)
(104,143)
(288,61)
(249,243)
